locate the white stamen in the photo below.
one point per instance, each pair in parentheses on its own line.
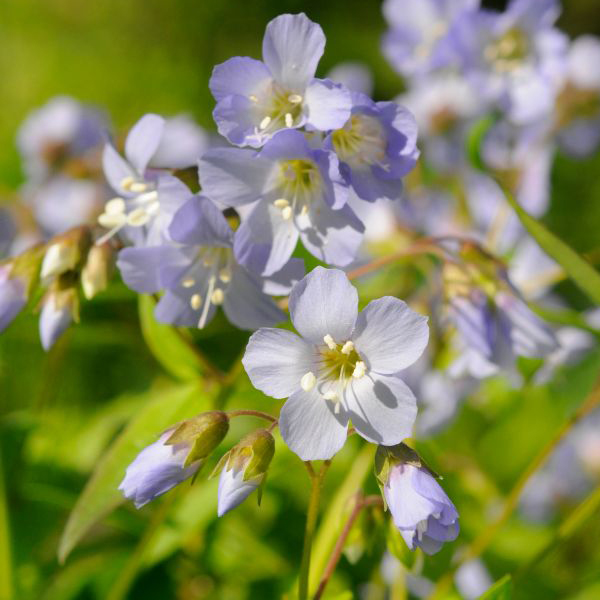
(265,123)
(331,395)
(421,529)
(359,369)
(295,98)
(110,221)
(138,187)
(196,301)
(329,341)
(337,408)
(138,217)
(304,210)
(217,297)
(289,120)
(127,182)
(204,315)
(188,282)
(253,98)
(286,213)
(308,381)
(347,347)
(225,275)
(115,206)
(281,203)
(153,209)
(147,197)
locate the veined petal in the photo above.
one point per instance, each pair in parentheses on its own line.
(116,169)
(276,360)
(389,335)
(143,140)
(199,222)
(310,428)
(239,75)
(292,48)
(328,104)
(381,408)
(324,303)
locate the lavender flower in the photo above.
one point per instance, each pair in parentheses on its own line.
(421,510)
(13,296)
(59,310)
(376,147)
(256,99)
(199,272)
(295,192)
(343,367)
(147,199)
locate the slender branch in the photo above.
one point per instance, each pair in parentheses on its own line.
(252,413)
(311,521)
(361,503)
(481,543)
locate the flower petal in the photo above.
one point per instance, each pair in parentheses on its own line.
(276,360)
(292,48)
(239,75)
(310,428)
(143,140)
(200,223)
(322,303)
(389,335)
(140,267)
(328,104)
(116,168)
(382,408)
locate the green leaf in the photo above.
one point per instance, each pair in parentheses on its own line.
(169,346)
(100,495)
(576,267)
(501,590)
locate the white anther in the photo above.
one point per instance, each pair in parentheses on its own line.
(304,210)
(208,261)
(196,301)
(147,197)
(289,120)
(110,221)
(337,408)
(308,381)
(286,213)
(295,98)
(138,217)
(329,341)
(253,98)
(138,187)
(359,369)
(127,182)
(217,297)
(188,282)
(152,209)
(347,347)
(265,123)
(115,206)
(331,395)
(225,275)
(281,203)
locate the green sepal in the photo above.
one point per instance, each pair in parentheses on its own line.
(220,465)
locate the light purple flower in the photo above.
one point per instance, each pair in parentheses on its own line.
(417,41)
(199,273)
(57,314)
(376,147)
(421,510)
(355,76)
(147,199)
(13,296)
(256,99)
(181,144)
(343,366)
(293,191)
(233,490)
(156,469)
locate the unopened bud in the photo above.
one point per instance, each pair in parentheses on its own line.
(244,469)
(97,270)
(65,252)
(60,309)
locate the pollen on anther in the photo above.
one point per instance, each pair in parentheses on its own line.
(115,206)
(331,395)
(265,123)
(295,98)
(196,301)
(347,347)
(359,369)
(330,342)
(308,381)
(138,187)
(225,275)
(281,203)
(217,297)
(289,120)
(253,98)
(286,213)
(188,282)
(127,182)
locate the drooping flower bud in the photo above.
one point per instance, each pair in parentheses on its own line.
(97,270)
(421,510)
(244,469)
(60,308)
(174,457)
(66,252)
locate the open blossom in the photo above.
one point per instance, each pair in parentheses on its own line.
(293,191)
(376,147)
(344,366)
(147,199)
(199,273)
(256,99)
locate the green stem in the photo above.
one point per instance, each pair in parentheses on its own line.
(6,588)
(311,521)
(252,413)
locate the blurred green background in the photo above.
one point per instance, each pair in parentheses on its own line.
(60,411)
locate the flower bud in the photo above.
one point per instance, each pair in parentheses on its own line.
(421,510)
(60,309)
(12,296)
(66,252)
(177,455)
(244,469)
(97,270)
